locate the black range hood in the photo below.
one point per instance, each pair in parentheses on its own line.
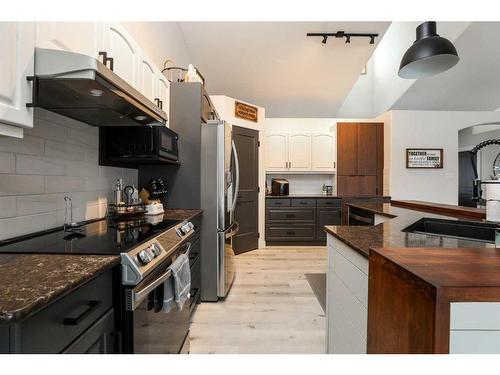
(81,87)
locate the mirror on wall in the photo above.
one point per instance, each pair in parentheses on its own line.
(487,160)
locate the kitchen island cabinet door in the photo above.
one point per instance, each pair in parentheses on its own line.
(327,216)
(17,56)
(124,51)
(79,37)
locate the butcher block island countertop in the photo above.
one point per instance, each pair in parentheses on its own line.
(416,293)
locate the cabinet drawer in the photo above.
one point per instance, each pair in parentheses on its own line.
(278,202)
(54,328)
(303,202)
(291,214)
(290,232)
(329,202)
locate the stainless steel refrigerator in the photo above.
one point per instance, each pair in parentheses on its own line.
(219,193)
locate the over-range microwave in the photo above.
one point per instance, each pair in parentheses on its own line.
(127,145)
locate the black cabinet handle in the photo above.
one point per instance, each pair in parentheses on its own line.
(291,216)
(157,102)
(73,321)
(106,59)
(161,103)
(278,203)
(291,233)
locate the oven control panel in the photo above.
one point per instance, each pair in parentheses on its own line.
(149,253)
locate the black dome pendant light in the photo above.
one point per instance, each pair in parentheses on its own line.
(429,55)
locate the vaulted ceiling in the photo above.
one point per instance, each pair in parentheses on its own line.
(274,64)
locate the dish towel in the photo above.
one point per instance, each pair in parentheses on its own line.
(182,280)
(168,295)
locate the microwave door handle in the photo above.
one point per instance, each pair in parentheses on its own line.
(237,182)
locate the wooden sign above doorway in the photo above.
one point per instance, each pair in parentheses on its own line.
(246,111)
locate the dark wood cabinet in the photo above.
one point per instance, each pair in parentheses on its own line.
(300,220)
(347,146)
(327,216)
(360,158)
(82,321)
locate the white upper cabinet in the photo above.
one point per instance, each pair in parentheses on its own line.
(80,37)
(124,51)
(299,152)
(17,61)
(163,92)
(277,152)
(147,78)
(324,152)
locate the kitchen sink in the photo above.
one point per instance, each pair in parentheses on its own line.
(467,230)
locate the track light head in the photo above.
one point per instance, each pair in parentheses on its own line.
(372,39)
(324,39)
(347,39)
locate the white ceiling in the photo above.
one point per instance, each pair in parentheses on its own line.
(274,64)
(472,85)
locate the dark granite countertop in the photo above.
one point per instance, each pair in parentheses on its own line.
(32,281)
(181,213)
(389,234)
(383,209)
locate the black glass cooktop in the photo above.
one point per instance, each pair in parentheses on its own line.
(95,237)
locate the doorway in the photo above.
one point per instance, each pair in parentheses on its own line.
(247,206)
(465,178)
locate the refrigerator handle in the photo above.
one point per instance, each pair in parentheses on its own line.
(237,182)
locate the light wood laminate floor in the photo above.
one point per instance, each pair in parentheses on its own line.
(270,308)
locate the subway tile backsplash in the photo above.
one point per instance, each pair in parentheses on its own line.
(58,157)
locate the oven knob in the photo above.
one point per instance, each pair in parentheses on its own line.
(190,225)
(179,232)
(156,248)
(145,256)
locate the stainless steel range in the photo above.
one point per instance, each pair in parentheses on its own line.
(147,247)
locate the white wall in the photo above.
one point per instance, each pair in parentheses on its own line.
(376,92)
(161,41)
(429,129)
(225,107)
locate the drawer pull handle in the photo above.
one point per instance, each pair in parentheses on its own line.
(291,233)
(91,307)
(278,203)
(290,216)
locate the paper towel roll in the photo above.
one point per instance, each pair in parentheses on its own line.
(492,200)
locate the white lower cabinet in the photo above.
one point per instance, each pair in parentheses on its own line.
(17,60)
(475,328)
(347,299)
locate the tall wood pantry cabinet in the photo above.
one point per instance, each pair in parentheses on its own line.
(360,158)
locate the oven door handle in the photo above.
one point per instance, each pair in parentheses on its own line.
(138,296)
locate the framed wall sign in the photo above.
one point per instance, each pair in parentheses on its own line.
(424,158)
(246,111)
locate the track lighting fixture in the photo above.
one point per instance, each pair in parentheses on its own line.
(348,36)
